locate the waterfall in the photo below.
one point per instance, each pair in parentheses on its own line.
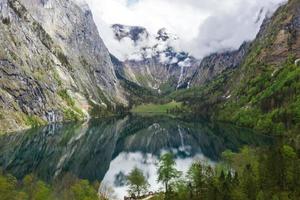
(182,148)
(180,77)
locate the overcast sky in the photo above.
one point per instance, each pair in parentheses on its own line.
(203,26)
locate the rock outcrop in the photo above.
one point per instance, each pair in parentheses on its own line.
(214,64)
(53,64)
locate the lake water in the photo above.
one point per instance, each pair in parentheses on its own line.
(108,149)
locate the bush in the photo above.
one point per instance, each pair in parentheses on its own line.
(66,97)
(34,121)
(71,115)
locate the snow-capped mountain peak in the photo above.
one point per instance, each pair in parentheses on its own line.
(162,45)
(155,57)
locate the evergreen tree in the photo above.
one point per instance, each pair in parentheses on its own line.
(137,182)
(249,185)
(196,179)
(167,171)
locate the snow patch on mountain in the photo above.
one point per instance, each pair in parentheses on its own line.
(155,58)
(144,45)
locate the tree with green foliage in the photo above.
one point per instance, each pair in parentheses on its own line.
(249,183)
(36,189)
(137,182)
(167,171)
(7,187)
(82,190)
(197,179)
(31,188)
(252,174)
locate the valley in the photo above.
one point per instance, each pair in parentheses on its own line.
(95,111)
(78,86)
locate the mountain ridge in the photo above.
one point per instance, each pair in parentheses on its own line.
(157,64)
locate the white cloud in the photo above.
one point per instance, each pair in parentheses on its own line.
(228,29)
(203,26)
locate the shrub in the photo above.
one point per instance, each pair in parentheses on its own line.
(34,121)
(66,97)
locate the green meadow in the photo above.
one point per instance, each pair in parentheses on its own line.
(156,108)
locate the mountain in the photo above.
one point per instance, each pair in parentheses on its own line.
(53,65)
(155,62)
(215,64)
(263,91)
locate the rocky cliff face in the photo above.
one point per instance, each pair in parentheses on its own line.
(71,26)
(279,36)
(53,64)
(214,64)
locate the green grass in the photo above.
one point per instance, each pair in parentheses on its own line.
(156,108)
(66,97)
(34,121)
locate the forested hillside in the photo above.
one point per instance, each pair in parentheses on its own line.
(264,92)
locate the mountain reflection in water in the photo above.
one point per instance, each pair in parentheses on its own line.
(107,149)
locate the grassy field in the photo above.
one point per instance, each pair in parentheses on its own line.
(156,108)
